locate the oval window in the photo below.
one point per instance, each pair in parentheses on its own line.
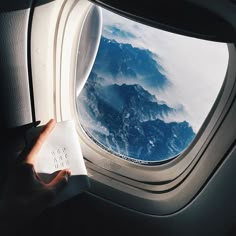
(149,90)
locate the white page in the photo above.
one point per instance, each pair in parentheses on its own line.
(61,150)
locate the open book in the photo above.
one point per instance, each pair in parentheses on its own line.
(61,150)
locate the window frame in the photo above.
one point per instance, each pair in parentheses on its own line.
(164,186)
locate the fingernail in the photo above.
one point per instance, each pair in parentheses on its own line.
(69,172)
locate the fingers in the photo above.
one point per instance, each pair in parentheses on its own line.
(59,182)
(30,159)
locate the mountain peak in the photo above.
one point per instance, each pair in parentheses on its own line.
(128,64)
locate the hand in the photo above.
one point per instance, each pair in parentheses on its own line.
(25,196)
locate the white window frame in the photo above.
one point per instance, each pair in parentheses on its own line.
(158,190)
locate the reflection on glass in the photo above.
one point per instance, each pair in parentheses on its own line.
(149,91)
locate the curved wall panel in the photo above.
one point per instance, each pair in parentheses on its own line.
(15,100)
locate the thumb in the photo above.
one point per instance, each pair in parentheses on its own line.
(60,181)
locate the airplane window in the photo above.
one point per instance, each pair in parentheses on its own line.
(149,90)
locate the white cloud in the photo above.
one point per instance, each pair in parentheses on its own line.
(195,67)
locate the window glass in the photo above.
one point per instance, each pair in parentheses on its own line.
(149,90)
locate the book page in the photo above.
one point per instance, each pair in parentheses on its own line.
(61,150)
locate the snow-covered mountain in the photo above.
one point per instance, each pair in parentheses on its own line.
(128,120)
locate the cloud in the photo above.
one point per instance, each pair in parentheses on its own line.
(196,68)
